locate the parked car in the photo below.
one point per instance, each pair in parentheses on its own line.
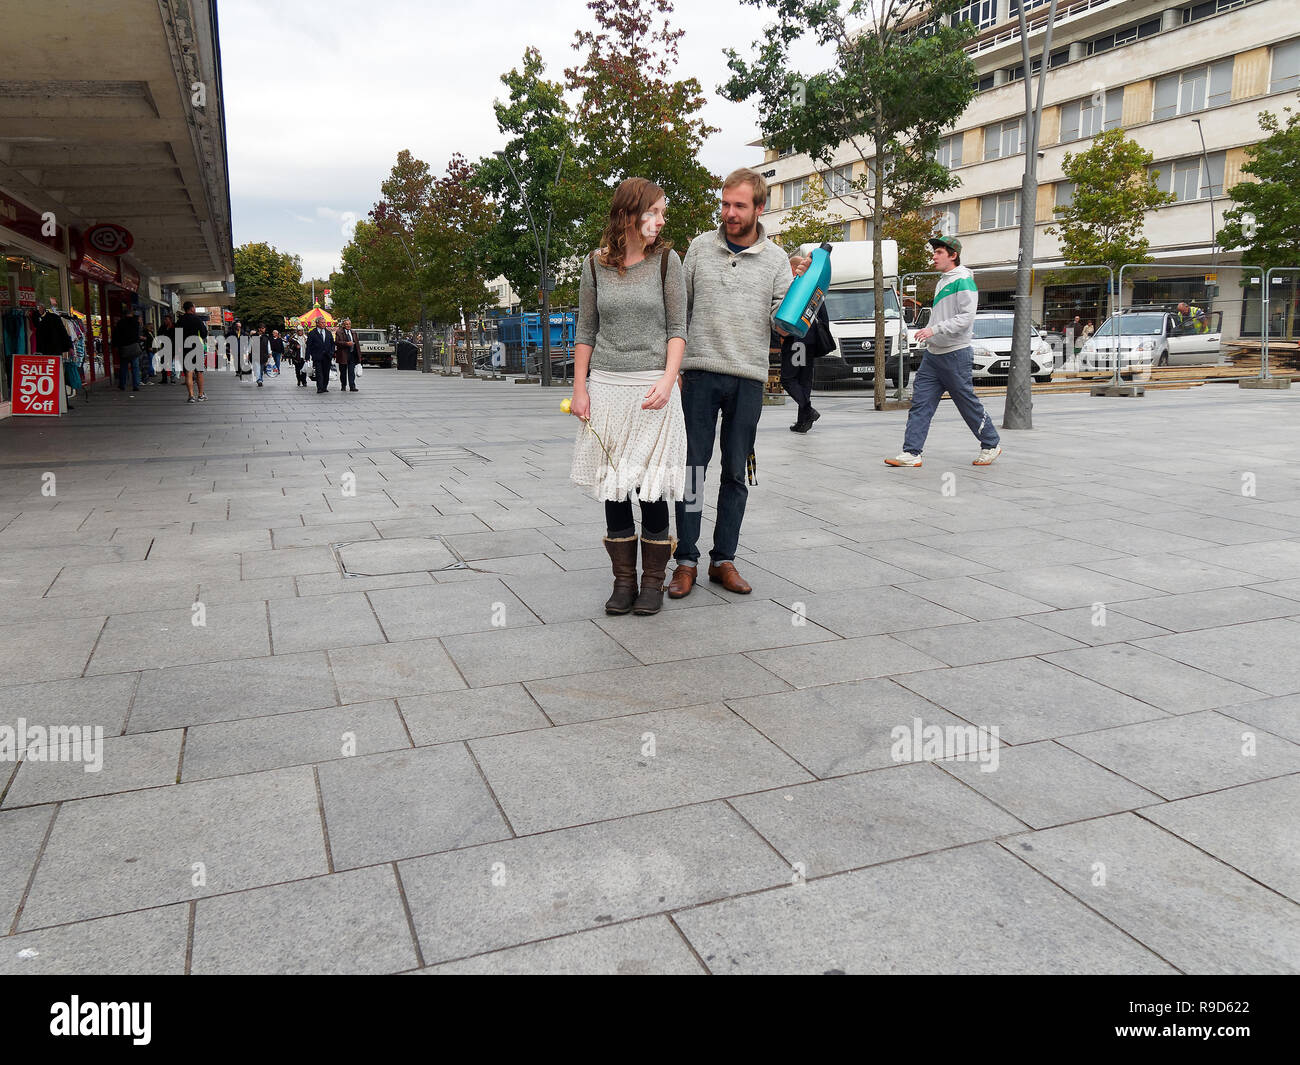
(1150,336)
(991,342)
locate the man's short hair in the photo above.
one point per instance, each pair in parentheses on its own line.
(755,180)
(187,307)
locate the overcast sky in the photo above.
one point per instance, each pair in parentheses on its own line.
(321,96)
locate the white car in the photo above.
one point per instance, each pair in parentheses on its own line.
(1150,337)
(991,343)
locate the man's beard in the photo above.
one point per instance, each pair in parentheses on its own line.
(752,229)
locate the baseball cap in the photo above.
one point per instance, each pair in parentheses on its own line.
(951,243)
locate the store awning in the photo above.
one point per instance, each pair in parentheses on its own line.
(114,114)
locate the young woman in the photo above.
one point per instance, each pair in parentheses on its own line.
(629,343)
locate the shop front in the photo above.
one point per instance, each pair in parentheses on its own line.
(33,269)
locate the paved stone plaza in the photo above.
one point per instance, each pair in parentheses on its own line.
(363,711)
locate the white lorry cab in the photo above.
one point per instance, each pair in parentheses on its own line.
(851,307)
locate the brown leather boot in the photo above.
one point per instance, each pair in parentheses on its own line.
(654,562)
(622,553)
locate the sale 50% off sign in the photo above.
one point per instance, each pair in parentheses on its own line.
(38,385)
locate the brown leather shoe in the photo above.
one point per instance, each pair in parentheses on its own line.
(682,583)
(724,573)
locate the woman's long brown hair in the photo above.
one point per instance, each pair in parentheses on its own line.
(632,199)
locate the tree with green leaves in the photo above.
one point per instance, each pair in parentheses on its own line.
(537,123)
(1114,188)
(268,285)
(420,252)
(899,79)
(635,120)
(1264,220)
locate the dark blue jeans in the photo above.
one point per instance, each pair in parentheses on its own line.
(740,401)
(949,373)
(128,366)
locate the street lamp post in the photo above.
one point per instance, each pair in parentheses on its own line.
(543,253)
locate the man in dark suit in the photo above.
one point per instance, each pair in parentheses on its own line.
(320,349)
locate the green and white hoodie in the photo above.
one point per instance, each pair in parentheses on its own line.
(953,316)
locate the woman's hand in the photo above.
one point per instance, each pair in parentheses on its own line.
(580,404)
(657,398)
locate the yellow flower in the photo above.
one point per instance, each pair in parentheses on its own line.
(567,406)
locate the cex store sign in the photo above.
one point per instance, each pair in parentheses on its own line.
(38,385)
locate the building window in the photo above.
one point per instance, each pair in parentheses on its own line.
(1029,6)
(1017,72)
(981,12)
(784,153)
(1210,7)
(1003,138)
(839,182)
(946,223)
(1058,58)
(844,231)
(793,192)
(949,152)
(1127,35)
(871,172)
(1286,67)
(984,84)
(1064,193)
(1193,90)
(1091,115)
(1000,211)
(1194,178)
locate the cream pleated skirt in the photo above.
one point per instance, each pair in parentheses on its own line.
(646,448)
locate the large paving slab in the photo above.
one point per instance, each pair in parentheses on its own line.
(379,808)
(22,832)
(351,922)
(1190,754)
(1193,911)
(832,825)
(145,943)
(571,774)
(1259,655)
(648,947)
(469,902)
(149,848)
(974,910)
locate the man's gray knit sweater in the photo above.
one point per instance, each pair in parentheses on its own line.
(730,300)
(629,320)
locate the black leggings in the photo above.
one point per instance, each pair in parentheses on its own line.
(654,518)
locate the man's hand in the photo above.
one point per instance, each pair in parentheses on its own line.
(801,265)
(924,334)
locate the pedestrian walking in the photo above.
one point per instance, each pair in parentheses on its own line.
(277,349)
(628,348)
(241,344)
(320,349)
(296,345)
(797,356)
(261,352)
(948,361)
(126,344)
(735,280)
(193,354)
(348,352)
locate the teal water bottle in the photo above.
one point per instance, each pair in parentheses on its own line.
(805,295)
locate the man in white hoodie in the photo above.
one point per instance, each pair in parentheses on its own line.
(948,360)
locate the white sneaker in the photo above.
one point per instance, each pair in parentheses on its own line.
(986,456)
(905,458)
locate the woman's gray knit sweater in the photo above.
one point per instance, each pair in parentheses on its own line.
(629,320)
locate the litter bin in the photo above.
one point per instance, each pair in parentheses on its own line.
(408,356)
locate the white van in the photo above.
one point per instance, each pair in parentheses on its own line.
(376,350)
(851,306)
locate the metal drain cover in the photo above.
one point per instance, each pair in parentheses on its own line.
(378,558)
(416,457)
